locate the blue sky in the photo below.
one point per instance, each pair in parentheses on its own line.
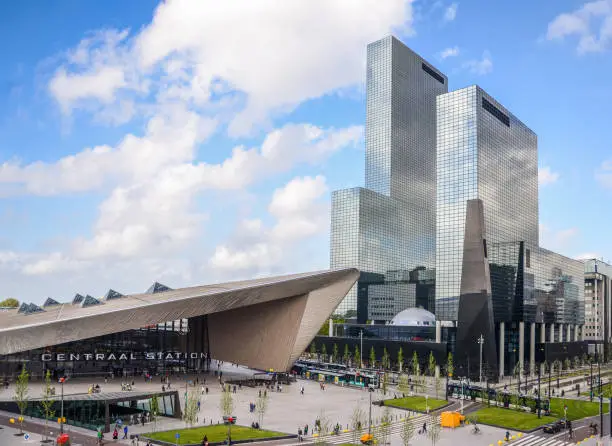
(197,141)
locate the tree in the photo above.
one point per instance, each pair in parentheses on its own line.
(226,405)
(433,431)
(450,368)
(191,408)
(357,422)
(386,360)
(431,368)
(347,354)
(324,351)
(403,384)
(567,364)
(335,353)
(323,425)
(313,349)
(384,383)
(407,431)
(261,406)
(47,401)
(372,357)
(9,303)
(21,394)
(416,369)
(576,362)
(438,385)
(357,357)
(400,359)
(155,410)
(385,426)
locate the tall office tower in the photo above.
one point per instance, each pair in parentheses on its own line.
(598,300)
(388,228)
(483,152)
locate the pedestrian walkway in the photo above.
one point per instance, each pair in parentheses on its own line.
(535,440)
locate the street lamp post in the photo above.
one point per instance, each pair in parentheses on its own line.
(370,415)
(539,394)
(591,364)
(61,380)
(600,401)
(481,342)
(361,349)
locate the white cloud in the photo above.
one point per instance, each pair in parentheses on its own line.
(547,176)
(299,213)
(449,52)
(604,174)
(559,240)
(273,55)
(591,24)
(482,66)
(450,13)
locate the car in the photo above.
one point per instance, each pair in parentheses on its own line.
(554,427)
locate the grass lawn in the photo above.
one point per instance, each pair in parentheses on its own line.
(415,403)
(215,433)
(511,419)
(576,409)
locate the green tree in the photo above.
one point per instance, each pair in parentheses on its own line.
(416,369)
(576,362)
(400,359)
(9,303)
(450,368)
(155,410)
(347,354)
(407,432)
(357,357)
(313,349)
(324,351)
(191,408)
(386,359)
(403,384)
(47,401)
(335,357)
(567,364)
(372,357)
(261,406)
(226,406)
(438,385)
(432,365)
(21,394)
(384,383)
(433,429)
(323,425)
(384,429)
(357,422)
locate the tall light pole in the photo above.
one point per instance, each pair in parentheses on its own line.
(481,342)
(361,349)
(370,415)
(61,380)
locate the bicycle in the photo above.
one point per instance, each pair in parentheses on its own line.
(476,430)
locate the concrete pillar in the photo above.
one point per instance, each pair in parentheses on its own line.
(522,346)
(437,371)
(438,331)
(576,328)
(502,348)
(552,333)
(568,338)
(582,332)
(532,343)
(543,333)
(331,327)
(560,332)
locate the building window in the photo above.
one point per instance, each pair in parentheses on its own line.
(432,73)
(500,115)
(528,258)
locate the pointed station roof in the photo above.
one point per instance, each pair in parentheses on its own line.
(112,294)
(285,312)
(157,288)
(78,298)
(50,302)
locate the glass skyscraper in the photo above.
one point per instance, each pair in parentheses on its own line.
(484,152)
(387,229)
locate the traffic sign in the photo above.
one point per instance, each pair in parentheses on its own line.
(26,436)
(177,435)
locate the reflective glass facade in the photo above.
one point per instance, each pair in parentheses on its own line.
(390,225)
(484,152)
(532,284)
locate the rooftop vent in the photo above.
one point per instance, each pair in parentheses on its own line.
(50,302)
(90,301)
(157,288)
(77,299)
(112,294)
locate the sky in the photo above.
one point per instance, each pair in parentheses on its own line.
(192,142)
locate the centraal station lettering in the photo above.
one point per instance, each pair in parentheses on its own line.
(151,356)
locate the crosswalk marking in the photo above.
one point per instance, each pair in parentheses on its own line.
(534,440)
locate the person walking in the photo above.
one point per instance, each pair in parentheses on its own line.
(299,434)
(125,432)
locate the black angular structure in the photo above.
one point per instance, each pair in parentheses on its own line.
(475,318)
(158,288)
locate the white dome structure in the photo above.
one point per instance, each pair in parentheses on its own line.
(414,317)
